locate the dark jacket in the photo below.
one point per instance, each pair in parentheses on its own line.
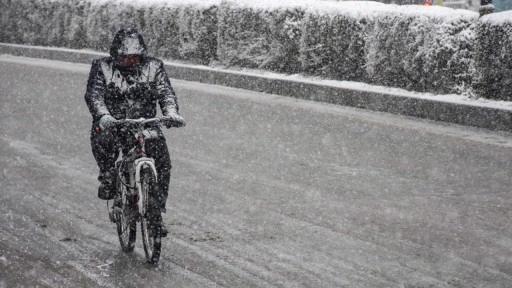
(129,94)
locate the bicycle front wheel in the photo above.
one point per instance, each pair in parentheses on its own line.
(151,223)
(126,218)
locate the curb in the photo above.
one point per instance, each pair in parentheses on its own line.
(468,115)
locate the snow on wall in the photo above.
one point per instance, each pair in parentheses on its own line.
(434,49)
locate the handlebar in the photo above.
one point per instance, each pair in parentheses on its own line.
(141,122)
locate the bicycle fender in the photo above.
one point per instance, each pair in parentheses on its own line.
(138,163)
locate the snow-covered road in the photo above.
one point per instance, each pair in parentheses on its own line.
(266,191)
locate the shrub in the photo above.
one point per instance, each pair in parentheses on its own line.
(493,62)
(416,49)
(334,38)
(258,36)
(198,34)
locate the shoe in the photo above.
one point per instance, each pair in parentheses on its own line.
(163,230)
(116,210)
(107,190)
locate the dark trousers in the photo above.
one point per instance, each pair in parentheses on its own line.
(105,148)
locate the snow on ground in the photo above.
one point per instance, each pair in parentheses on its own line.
(359,86)
(67,66)
(450,98)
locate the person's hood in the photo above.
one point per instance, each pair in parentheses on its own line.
(128,42)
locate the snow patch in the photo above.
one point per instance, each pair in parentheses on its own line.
(267,4)
(363,87)
(159,3)
(500,18)
(354,8)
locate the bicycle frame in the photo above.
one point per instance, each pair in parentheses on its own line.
(138,164)
(137,155)
(140,171)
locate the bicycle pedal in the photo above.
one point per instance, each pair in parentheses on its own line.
(164,231)
(113,213)
(112,216)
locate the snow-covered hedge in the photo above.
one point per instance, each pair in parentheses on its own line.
(414,47)
(433,49)
(334,38)
(178,29)
(261,34)
(422,48)
(494,57)
(175,29)
(39,22)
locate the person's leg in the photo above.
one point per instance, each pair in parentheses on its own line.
(105,153)
(156,148)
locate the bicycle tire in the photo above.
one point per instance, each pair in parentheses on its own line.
(151,220)
(126,221)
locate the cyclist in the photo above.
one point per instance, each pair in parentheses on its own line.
(129,84)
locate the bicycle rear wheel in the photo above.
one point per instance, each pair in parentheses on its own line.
(152,219)
(126,221)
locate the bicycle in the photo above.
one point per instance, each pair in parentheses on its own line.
(136,183)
